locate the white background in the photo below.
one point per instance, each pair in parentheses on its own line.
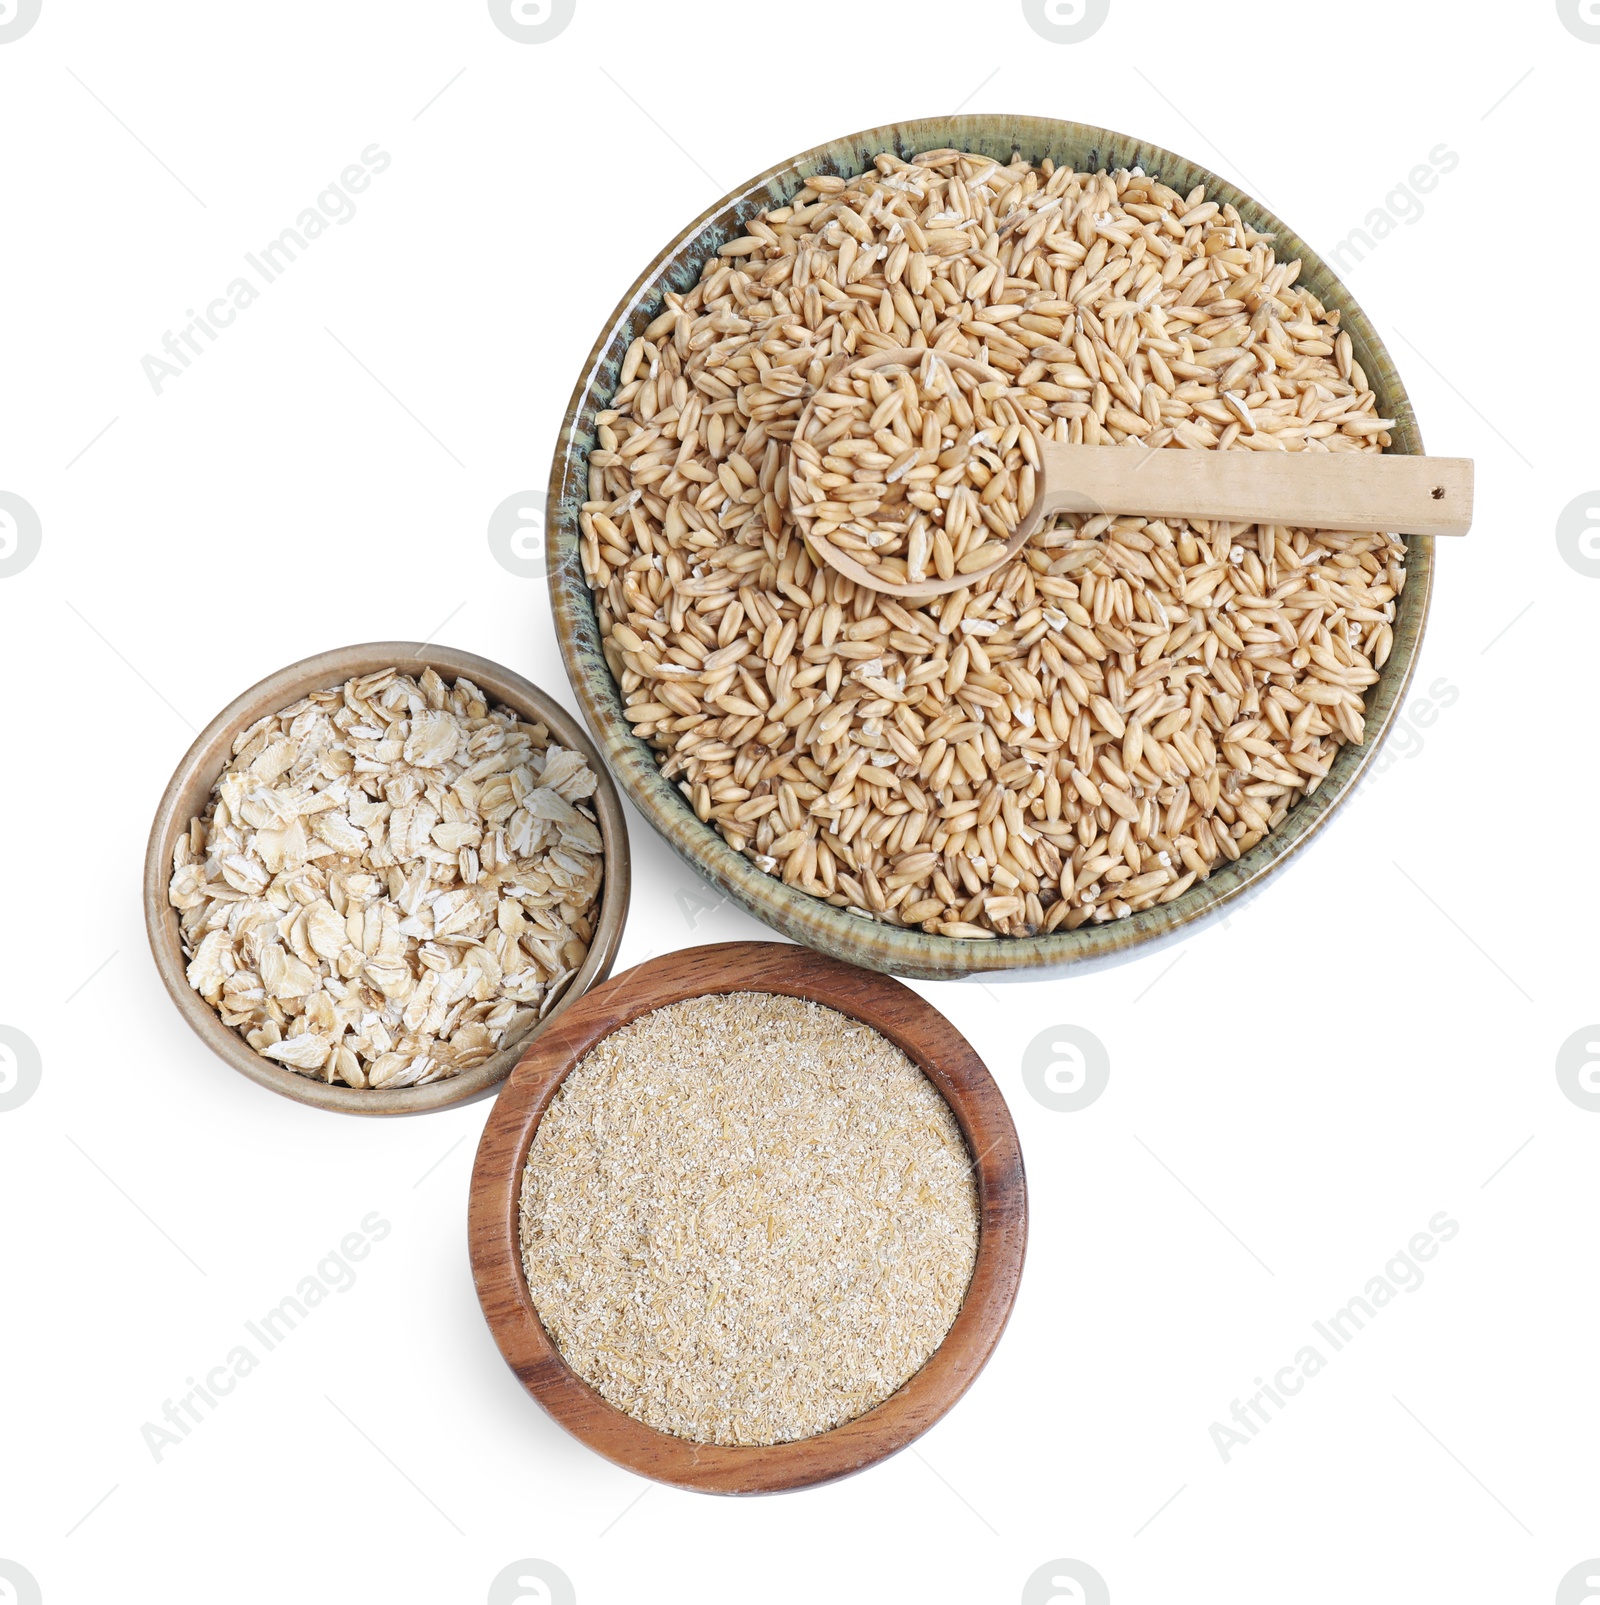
(1293,1093)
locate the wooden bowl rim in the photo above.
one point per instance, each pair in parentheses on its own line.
(930,1040)
(197,772)
(796,914)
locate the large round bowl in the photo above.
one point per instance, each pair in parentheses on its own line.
(808,919)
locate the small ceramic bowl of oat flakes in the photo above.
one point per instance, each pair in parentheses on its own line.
(379,872)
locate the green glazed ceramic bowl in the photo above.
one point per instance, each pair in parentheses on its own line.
(808,919)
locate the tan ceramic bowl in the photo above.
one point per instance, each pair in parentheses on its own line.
(808,919)
(190,787)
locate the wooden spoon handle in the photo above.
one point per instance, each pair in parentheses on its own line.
(1300,489)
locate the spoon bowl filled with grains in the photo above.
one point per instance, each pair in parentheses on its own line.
(377,873)
(747,1219)
(910,472)
(1129,724)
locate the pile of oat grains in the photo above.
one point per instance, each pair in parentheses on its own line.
(1127,705)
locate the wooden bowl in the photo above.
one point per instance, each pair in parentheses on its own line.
(190,787)
(787,909)
(928,1039)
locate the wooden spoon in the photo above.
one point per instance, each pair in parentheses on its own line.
(1405,495)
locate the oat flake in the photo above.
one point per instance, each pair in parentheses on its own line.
(391,881)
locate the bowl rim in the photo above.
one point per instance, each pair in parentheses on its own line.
(796,914)
(205,759)
(930,1040)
